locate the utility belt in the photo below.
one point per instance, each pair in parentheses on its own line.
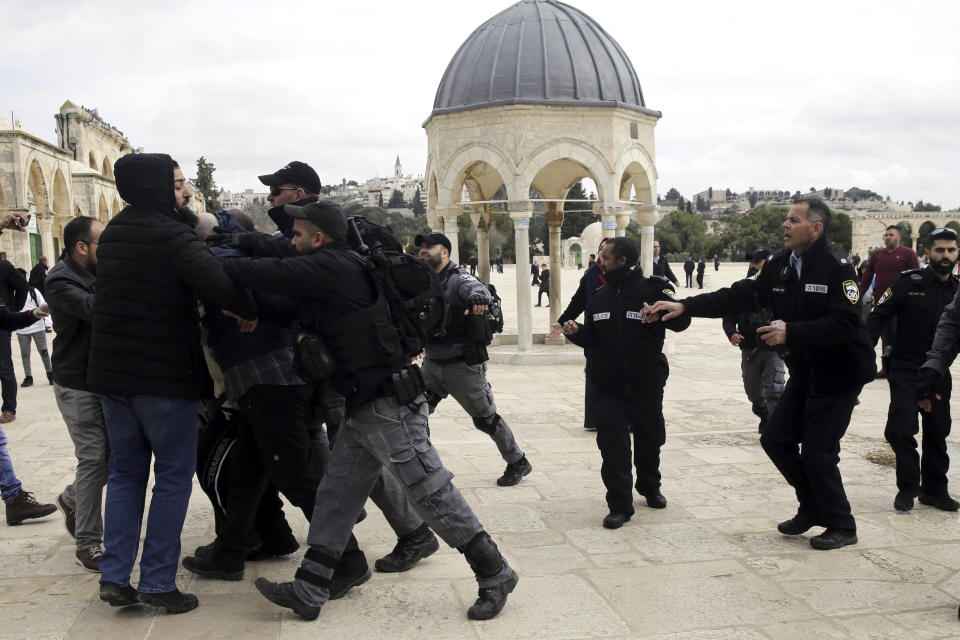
(403,385)
(473,354)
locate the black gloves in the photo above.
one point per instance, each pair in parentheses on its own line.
(221,238)
(930,383)
(477,299)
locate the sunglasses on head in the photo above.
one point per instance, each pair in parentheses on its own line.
(276,190)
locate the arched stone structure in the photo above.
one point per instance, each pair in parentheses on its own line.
(107,171)
(538,97)
(869,225)
(93,162)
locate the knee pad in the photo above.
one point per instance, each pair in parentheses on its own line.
(488,425)
(482,555)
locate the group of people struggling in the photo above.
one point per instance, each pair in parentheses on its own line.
(158,308)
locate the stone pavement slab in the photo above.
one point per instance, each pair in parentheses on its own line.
(709,567)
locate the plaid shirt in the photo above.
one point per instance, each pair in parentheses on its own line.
(274,368)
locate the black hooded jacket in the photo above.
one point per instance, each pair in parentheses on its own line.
(145,336)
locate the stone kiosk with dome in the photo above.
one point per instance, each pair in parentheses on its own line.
(538,97)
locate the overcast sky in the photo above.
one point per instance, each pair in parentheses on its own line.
(753,93)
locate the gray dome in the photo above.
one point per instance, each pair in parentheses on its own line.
(539,52)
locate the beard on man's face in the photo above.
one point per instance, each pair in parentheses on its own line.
(943,266)
(187,215)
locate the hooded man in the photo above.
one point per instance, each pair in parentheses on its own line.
(147,364)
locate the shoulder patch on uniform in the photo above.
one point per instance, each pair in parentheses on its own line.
(601,316)
(852,290)
(671,294)
(886,296)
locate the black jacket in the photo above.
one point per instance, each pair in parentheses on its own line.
(662,268)
(151,266)
(70,297)
(323,286)
(13,287)
(625,352)
(746,324)
(689,266)
(827,346)
(916,299)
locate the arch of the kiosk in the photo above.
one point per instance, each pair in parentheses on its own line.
(915,229)
(625,190)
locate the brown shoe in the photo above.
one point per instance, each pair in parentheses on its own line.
(89,559)
(69,516)
(26,507)
(7,416)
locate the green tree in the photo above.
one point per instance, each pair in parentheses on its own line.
(396,200)
(352,183)
(380,199)
(673,194)
(841,231)
(577,216)
(681,232)
(752,198)
(206,185)
(418,208)
(926,206)
(761,227)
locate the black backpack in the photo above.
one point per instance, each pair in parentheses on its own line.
(409,284)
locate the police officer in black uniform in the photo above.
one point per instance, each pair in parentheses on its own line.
(761,367)
(386,414)
(456,363)
(628,371)
(915,300)
(813,292)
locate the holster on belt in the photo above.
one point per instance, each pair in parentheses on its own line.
(406,384)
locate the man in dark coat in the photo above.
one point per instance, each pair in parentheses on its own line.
(661,267)
(71,295)
(701,267)
(811,289)
(147,364)
(688,268)
(629,371)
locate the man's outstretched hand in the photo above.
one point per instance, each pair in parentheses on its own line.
(667,311)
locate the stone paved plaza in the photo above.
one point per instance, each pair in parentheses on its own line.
(710,566)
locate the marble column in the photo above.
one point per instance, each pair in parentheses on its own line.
(483,243)
(554,223)
(520,213)
(451,231)
(45,226)
(646,216)
(623,219)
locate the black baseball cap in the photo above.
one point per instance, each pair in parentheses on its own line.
(296,172)
(757,255)
(323,213)
(432,239)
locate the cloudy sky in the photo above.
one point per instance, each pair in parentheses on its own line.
(753,93)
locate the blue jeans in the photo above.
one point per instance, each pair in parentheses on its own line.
(138,427)
(9,485)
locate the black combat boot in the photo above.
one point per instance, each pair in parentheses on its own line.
(210,562)
(515,472)
(484,558)
(282,594)
(410,549)
(351,571)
